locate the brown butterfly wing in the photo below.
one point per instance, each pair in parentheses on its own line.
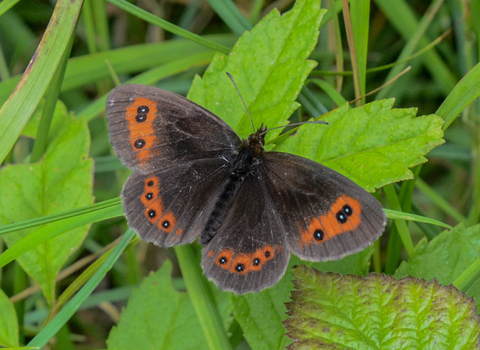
(171,206)
(181,155)
(151,129)
(248,253)
(326,215)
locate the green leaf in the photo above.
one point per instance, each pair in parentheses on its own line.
(159,317)
(269,65)
(49,331)
(202,298)
(373,145)
(395,214)
(60,181)
(445,258)
(8,323)
(261,314)
(330,311)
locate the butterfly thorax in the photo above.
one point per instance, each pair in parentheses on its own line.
(249,156)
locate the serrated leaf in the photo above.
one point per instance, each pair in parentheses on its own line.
(261,314)
(330,311)
(60,181)
(269,67)
(159,317)
(445,257)
(8,323)
(357,264)
(373,145)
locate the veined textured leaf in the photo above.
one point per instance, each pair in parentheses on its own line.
(60,181)
(445,257)
(269,65)
(8,323)
(261,314)
(330,311)
(373,145)
(159,317)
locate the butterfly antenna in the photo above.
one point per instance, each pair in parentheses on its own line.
(239,94)
(301,123)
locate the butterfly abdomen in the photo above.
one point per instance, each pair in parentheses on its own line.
(245,163)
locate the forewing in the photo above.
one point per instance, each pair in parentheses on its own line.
(150,128)
(180,154)
(326,215)
(248,252)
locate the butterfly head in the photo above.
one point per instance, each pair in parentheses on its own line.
(256,141)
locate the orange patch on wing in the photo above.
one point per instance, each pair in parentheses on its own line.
(142,129)
(254,266)
(154,190)
(268,252)
(329,224)
(144,155)
(154,211)
(332,226)
(241,260)
(178,231)
(211,254)
(139,130)
(306,234)
(227,255)
(168,222)
(151,181)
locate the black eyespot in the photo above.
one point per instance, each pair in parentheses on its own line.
(318,235)
(149,195)
(256,262)
(152,213)
(140,143)
(341,217)
(240,267)
(150,183)
(143,110)
(166,224)
(347,210)
(222,260)
(267,254)
(140,118)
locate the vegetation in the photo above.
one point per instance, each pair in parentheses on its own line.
(396,80)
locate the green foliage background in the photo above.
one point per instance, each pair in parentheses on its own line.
(73,276)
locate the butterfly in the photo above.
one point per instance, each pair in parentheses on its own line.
(193,177)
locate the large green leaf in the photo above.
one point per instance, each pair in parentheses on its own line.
(373,145)
(159,317)
(330,311)
(445,257)
(60,181)
(269,67)
(261,314)
(8,322)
